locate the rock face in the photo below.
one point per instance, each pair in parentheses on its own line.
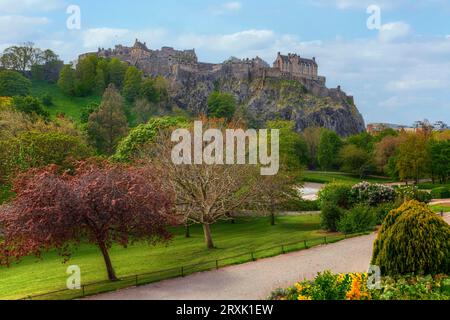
(290,90)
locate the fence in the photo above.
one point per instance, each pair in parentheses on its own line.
(182,271)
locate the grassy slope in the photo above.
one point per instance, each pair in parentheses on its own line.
(326,177)
(71,106)
(34,277)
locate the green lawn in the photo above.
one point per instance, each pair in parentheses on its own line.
(431,186)
(327,177)
(33,277)
(440,208)
(70,106)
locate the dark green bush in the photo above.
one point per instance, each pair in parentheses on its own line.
(440,193)
(413,240)
(47,100)
(330,216)
(301,205)
(358,219)
(383,210)
(337,194)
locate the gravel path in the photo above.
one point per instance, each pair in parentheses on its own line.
(255,281)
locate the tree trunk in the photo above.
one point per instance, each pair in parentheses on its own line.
(208,238)
(109,268)
(187,230)
(272,215)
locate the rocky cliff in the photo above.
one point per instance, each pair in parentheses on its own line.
(263,98)
(290,90)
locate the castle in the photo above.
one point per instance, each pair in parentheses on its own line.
(169,62)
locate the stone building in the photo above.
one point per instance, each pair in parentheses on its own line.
(297,66)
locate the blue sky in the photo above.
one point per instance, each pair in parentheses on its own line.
(399,74)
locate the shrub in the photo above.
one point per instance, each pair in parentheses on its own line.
(330,216)
(358,219)
(372,194)
(381,211)
(31,106)
(336,193)
(47,100)
(413,240)
(12,83)
(328,286)
(301,205)
(440,193)
(408,193)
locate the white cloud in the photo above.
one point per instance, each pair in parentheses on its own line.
(20,6)
(228,7)
(394,31)
(235,43)
(384,4)
(25,28)
(108,37)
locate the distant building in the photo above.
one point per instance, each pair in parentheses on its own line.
(375,128)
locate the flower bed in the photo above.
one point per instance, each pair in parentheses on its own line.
(355,286)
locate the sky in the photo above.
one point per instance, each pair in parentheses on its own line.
(398,72)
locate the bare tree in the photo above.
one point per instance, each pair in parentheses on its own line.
(206,193)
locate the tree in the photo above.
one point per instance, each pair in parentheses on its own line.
(39,149)
(100,203)
(116,71)
(132,83)
(86,75)
(205,193)
(13,83)
(143,110)
(413,157)
(221,105)
(30,106)
(363,141)
(67,80)
(134,146)
(108,124)
(385,150)
(293,149)
(440,159)
(21,58)
(329,147)
(311,136)
(354,160)
(100,80)
(274,191)
(87,111)
(149,91)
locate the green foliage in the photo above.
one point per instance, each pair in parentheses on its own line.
(354,160)
(149,91)
(293,149)
(440,159)
(336,193)
(414,288)
(108,124)
(30,105)
(132,83)
(5,193)
(381,211)
(440,193)
(143,134)
(413,240)
(86,77)
(329,147)
(221,105)
(34,149)
(300,205)
(407,193)
(87,110)
(67,79)
(12,83)
(364,141)
(372,194)
(47,100)
(117,70)
(358,219)
(330,216)
(413,158)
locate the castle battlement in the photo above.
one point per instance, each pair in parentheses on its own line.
(168,62)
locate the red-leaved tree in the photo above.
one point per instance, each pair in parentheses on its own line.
(98,202)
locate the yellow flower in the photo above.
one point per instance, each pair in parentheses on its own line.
(304,298)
